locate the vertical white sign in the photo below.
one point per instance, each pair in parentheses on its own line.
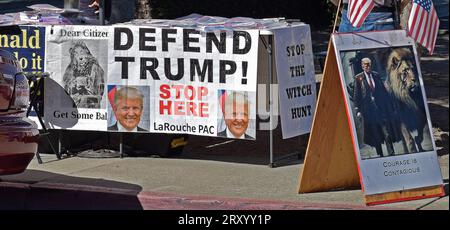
(296,79)
(75,94)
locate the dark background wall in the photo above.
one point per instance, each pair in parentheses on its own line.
(317,13)
(11,6)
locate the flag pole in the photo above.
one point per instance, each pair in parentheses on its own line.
(337,15)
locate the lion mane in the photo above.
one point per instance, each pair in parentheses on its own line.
(406,97)
(83,76)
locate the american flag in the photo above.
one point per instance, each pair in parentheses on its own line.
(112,89)
(423,24)
(223,96)
(358,10)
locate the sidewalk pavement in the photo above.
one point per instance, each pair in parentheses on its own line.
(212,173)
(168,183)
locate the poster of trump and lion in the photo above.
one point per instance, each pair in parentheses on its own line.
(387,111)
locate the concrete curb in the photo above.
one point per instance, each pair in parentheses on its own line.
(58,196)
(161,201)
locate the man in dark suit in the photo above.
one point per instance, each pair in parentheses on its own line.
(235,110)
(128,107)
(115,128)
(371,104)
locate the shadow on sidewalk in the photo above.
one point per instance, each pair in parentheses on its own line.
(35,189)
(285,152)
(435,75)
(439,121)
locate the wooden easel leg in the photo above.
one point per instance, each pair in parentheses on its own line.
(330,162)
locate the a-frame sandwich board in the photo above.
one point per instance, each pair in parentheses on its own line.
(330,160)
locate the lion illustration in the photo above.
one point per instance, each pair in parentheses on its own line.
(408,105)
(84,77)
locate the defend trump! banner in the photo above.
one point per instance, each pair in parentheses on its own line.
(144,79)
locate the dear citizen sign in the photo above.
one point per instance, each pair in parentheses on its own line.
(296,79)
(175,73)
(386,104)
(77,60)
